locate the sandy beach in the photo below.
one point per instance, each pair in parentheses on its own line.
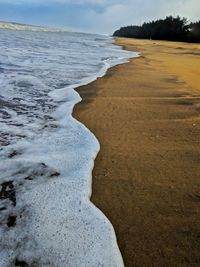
(146,179)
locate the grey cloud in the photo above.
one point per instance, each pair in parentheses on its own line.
(115,13)
(129,12)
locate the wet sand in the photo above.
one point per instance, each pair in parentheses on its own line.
(146,180)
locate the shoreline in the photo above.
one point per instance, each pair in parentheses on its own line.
(145,178)
(33,172)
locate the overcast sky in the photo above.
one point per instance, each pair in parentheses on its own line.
(99,16)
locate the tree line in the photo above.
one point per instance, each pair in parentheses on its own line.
(170,28)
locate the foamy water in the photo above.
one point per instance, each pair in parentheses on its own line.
(46,155)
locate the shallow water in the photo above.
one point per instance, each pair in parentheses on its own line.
(46,155)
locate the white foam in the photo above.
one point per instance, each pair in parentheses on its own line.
(57,225)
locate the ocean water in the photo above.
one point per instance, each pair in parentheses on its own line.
(46,156)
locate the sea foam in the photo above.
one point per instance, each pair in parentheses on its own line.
(46,215)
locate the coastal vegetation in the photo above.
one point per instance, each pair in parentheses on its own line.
(170,28)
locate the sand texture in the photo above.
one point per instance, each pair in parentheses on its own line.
(146,179)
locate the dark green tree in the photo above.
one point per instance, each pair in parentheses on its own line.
(170,28)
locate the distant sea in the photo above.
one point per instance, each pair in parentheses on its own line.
(46,156)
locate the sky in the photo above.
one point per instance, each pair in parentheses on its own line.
(95,16)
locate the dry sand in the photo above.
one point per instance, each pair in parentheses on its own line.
(146,179)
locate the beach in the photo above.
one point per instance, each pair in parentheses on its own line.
(145,114)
